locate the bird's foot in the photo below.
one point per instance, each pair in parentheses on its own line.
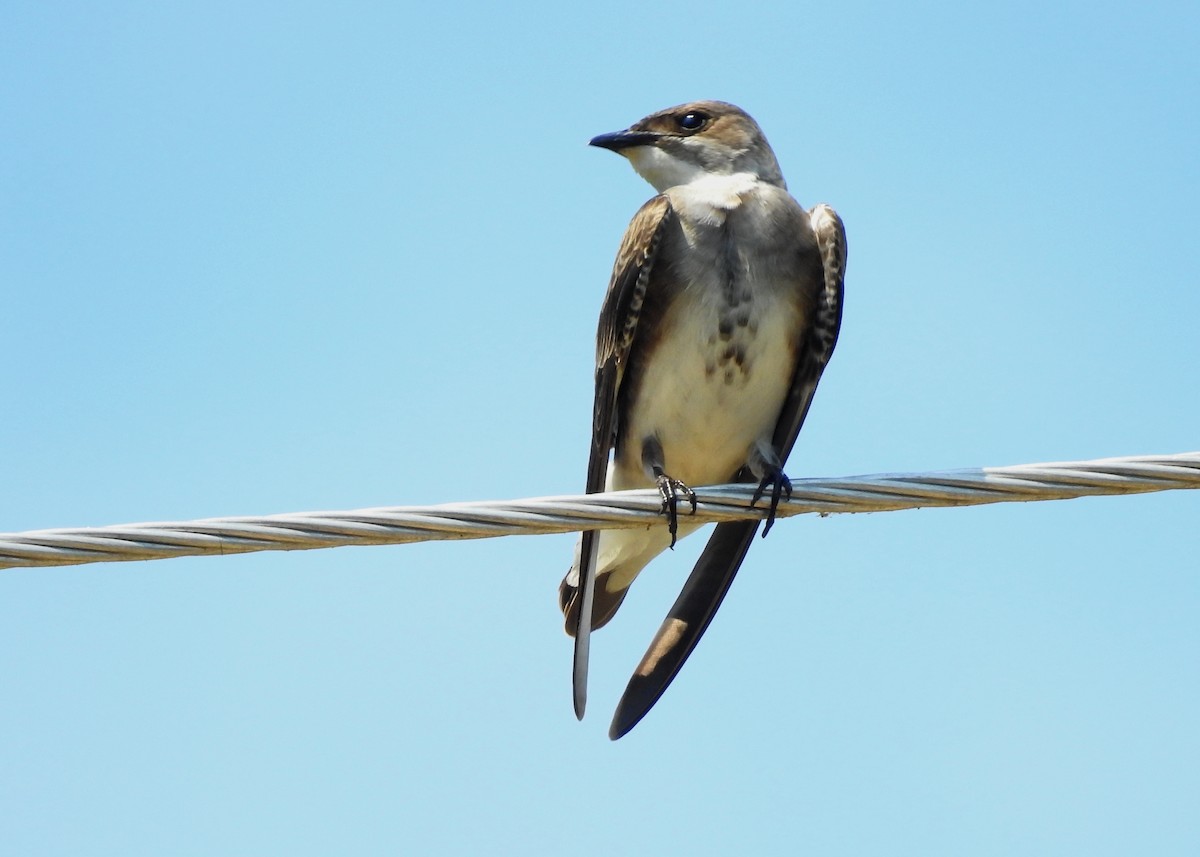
(780,486)
(671,490)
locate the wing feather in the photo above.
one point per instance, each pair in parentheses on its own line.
(618,326)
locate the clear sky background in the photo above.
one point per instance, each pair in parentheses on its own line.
(283,257)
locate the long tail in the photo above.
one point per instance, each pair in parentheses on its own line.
(685,623)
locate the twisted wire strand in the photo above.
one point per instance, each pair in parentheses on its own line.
(623,509)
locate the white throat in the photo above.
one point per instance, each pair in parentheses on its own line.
(664,170)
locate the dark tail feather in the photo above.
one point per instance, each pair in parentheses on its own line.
(685,623)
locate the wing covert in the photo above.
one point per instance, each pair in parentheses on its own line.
(821,336)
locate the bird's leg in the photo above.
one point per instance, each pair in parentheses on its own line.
(765,464)
(669,489)
(780,486)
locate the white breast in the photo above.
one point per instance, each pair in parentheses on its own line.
(706,408)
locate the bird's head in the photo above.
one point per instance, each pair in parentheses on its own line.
(704,138)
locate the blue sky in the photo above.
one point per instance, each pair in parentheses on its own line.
(292,257)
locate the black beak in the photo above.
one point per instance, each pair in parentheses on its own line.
(618,140)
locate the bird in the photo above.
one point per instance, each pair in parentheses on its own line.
(722,311)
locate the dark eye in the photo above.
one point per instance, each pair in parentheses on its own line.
(692,121)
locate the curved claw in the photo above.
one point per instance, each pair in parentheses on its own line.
(670,489)
(780,486)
